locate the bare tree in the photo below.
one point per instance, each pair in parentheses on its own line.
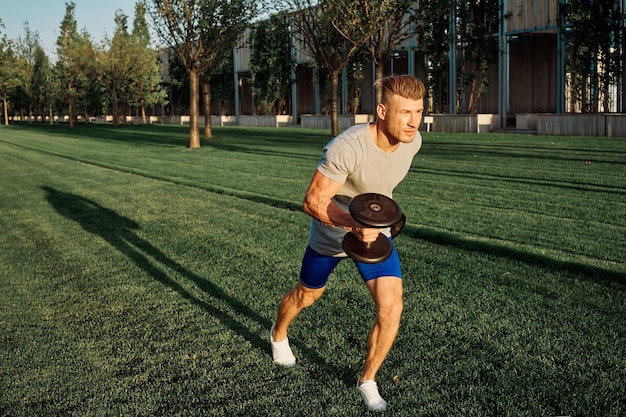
(315,30)
(477,24)
(378,26)
(225,22)
(200,31)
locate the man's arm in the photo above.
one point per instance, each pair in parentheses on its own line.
(318,204)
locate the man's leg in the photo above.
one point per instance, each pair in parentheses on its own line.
(387,295)
(314,274)
(291,305)
(296,300)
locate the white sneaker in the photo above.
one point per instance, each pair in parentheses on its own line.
(281,352)
(369,392)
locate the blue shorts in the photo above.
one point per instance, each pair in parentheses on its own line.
(316,268)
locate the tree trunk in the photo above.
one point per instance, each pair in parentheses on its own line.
(143,112)
(622,108)
(6,110)
(379,70)
(194,110)
(116,121)
(70,108)
(124,111)
(334,114)
(474,95)
(206,91)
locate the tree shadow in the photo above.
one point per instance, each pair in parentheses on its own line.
(121,233)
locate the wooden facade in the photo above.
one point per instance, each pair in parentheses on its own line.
(528,77)
(525,15)
(532,74)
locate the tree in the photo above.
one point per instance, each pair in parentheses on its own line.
(145,89)
(431,38)
(223,89)
(9,78)
(202,33)
(141,29)
(25,62)
(477,22)
(69,71)
(146,86)
(41,83)
(35,75)
(90,97)
(116,66)
(225,21)
(379,26)
(271,63)
(315,30)
(593,60)
(178,85)
(129,68)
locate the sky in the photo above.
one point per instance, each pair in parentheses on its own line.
(45,16)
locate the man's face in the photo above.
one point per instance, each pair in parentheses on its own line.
(402,117)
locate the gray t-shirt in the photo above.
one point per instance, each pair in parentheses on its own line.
(354,159)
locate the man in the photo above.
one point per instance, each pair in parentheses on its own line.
(371,158)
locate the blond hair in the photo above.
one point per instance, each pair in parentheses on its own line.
(404,85)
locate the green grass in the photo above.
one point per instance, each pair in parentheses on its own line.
(141,278)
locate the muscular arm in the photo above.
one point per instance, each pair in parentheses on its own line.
(318,204)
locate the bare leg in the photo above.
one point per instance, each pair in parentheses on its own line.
(296,300)
(387,295)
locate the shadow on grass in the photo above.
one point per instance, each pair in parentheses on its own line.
(439,237)
(231,138)
(120,232)
(519,179)
(453,150)
(152,135)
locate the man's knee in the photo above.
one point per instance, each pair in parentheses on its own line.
(305,297)
(388,300)
(390,308)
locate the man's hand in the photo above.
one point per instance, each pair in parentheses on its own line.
(366,234)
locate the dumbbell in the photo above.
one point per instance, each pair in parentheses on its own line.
(378,211)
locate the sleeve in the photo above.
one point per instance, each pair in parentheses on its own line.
(339,160)
(417,143)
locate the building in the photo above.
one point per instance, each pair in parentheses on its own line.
(528,77)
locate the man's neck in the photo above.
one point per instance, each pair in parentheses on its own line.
(384,142)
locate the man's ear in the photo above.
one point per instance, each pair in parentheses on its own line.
(381,111)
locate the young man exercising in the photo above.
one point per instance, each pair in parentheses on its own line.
(370,158)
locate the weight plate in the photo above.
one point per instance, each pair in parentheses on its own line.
(375,210)
(396,228)
(372,253)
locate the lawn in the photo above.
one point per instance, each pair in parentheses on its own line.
(141,278)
